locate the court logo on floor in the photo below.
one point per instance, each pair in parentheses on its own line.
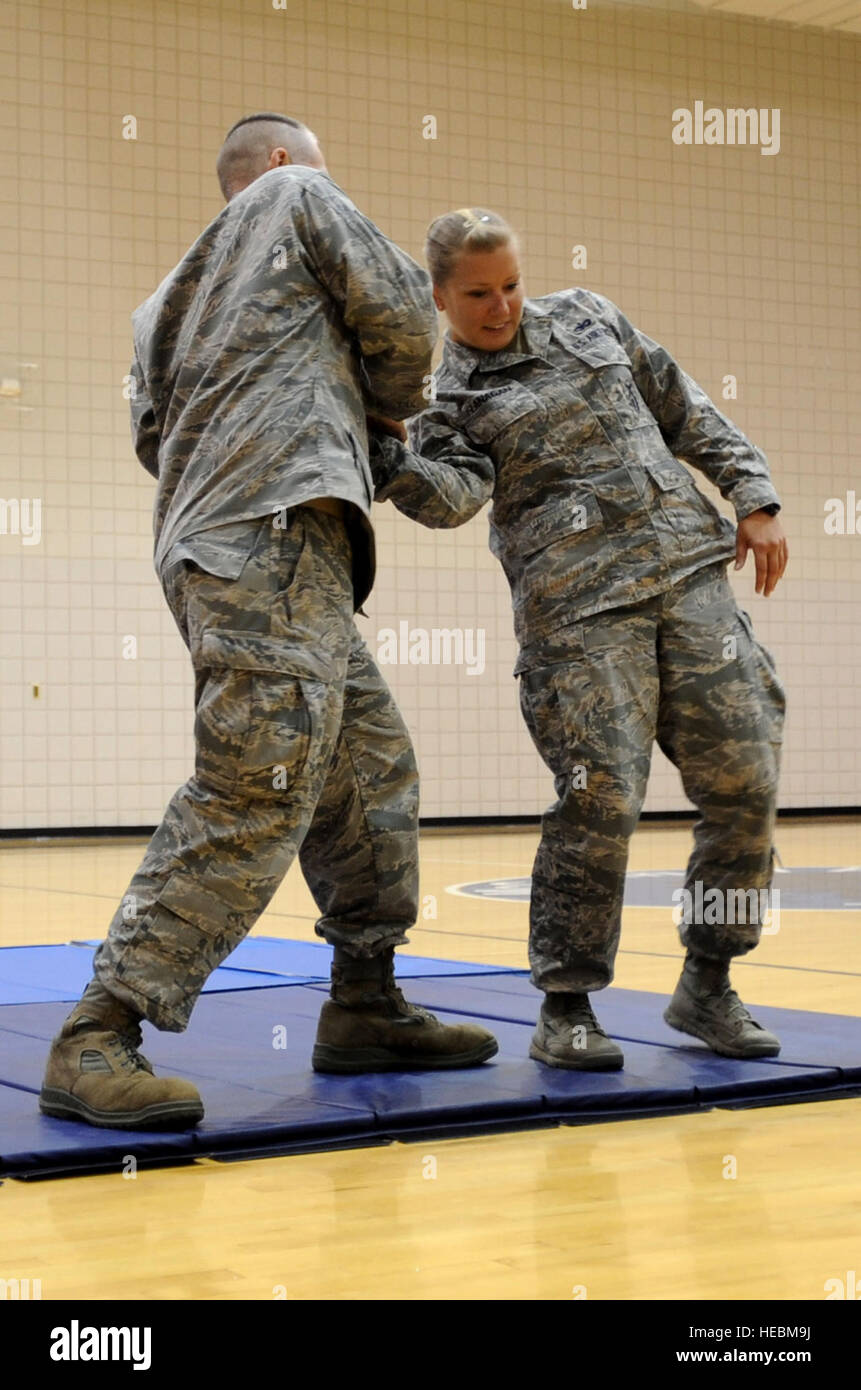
(824,889)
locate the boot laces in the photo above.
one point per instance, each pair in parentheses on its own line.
(578,1015)
(402,1005)
(734,1007)
(392,992)
(128,1042)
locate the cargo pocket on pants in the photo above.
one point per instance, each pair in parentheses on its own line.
(262,703)
(555,702)
(772,693)
(539,705)
(766,665)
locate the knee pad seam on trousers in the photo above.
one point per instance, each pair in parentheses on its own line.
(368,829)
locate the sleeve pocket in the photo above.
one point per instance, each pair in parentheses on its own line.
(669,477)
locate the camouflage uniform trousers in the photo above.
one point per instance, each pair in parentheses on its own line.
(660,670)
(300,748)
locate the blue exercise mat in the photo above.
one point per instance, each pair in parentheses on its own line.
(46,974)
(311,961)
(263,1098)
(825,1040)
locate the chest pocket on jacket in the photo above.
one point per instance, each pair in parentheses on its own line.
(500,415)
(563,518)
(613,383)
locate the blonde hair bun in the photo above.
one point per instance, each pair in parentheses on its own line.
(465,229)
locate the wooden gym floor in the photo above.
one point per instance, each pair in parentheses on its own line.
(628,1210)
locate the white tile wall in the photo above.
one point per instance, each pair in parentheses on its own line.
(559,118)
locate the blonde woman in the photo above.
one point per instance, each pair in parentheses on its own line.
(573,422)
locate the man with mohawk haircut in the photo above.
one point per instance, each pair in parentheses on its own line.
(259,358)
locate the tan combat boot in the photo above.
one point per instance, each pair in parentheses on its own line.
(367,1025)
(96,1074)
(707,1007)
(569,1035)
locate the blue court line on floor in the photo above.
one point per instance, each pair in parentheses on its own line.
(264,1098)
(648,955)
(750,964)
(825,888)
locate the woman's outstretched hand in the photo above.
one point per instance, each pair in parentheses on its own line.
(764,535)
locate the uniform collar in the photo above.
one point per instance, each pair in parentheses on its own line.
(535,323)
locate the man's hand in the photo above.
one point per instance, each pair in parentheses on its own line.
(764,535)
(382,425)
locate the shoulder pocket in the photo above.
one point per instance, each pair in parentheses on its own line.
(669,477)
(606,352)
(598,347)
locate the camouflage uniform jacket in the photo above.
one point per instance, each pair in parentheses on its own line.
(575,430)
(256,358)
